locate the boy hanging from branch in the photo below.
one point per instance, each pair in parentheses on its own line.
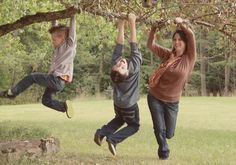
(60,72)
(125,74)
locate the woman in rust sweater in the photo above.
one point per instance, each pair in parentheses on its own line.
(167,82)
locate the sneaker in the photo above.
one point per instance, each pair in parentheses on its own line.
(112,148)
(4,94)
(98,139)
(164,155)
(69,109)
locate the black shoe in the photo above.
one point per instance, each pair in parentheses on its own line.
(4,94)
(163,155)
(112,148)
(98,139)
(163,158)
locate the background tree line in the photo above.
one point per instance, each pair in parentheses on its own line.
(28,49)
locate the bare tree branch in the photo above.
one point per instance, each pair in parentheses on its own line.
(62,14)
(37,18)
(204,24)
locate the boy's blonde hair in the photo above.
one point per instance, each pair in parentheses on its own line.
(59,29)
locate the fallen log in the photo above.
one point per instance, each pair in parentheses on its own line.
(29,148)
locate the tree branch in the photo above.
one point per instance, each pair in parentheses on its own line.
(204,24)
(62,14)
(37,18)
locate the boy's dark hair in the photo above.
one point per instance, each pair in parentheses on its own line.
(116,77)
(59,28)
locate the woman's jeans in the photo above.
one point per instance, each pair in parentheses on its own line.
(164,116)
(53,84)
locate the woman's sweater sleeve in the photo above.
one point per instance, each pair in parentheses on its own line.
(155,48)
(191,48)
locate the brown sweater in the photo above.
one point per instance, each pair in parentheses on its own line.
(171,83)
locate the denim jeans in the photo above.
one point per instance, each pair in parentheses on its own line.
(130,116)
(53,84)
(164,116)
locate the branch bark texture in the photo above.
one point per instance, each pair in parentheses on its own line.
(68,12)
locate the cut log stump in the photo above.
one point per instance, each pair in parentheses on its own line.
(29,148)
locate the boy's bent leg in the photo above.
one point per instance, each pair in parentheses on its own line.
(46,80)
(111,127)
(131,117)
(55,104)
(108,129)
(49,102)
(27,81)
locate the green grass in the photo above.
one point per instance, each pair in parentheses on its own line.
(205,133)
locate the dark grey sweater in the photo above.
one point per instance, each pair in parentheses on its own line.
(126,93)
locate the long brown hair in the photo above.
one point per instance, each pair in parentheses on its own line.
(182,36)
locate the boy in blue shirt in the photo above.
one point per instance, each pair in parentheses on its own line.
(125,75)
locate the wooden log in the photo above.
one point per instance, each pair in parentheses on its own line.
(29,148)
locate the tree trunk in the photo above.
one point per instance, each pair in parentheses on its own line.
(100,75)
(227,75)
(203,69)
(203,76)
(234,73)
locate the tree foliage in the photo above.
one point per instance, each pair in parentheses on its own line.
(25,45)
(212,14)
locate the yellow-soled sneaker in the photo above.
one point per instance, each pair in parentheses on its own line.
(69,109)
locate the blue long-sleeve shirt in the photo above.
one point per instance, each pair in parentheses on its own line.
(126,93)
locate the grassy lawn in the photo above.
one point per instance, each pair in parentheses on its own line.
(205,134)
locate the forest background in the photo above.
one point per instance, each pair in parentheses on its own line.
(25,44)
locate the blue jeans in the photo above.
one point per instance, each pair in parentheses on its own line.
(164,116)
(130,116)
(53,84)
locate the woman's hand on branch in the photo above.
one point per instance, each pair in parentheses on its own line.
(159,24)
(178,20)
